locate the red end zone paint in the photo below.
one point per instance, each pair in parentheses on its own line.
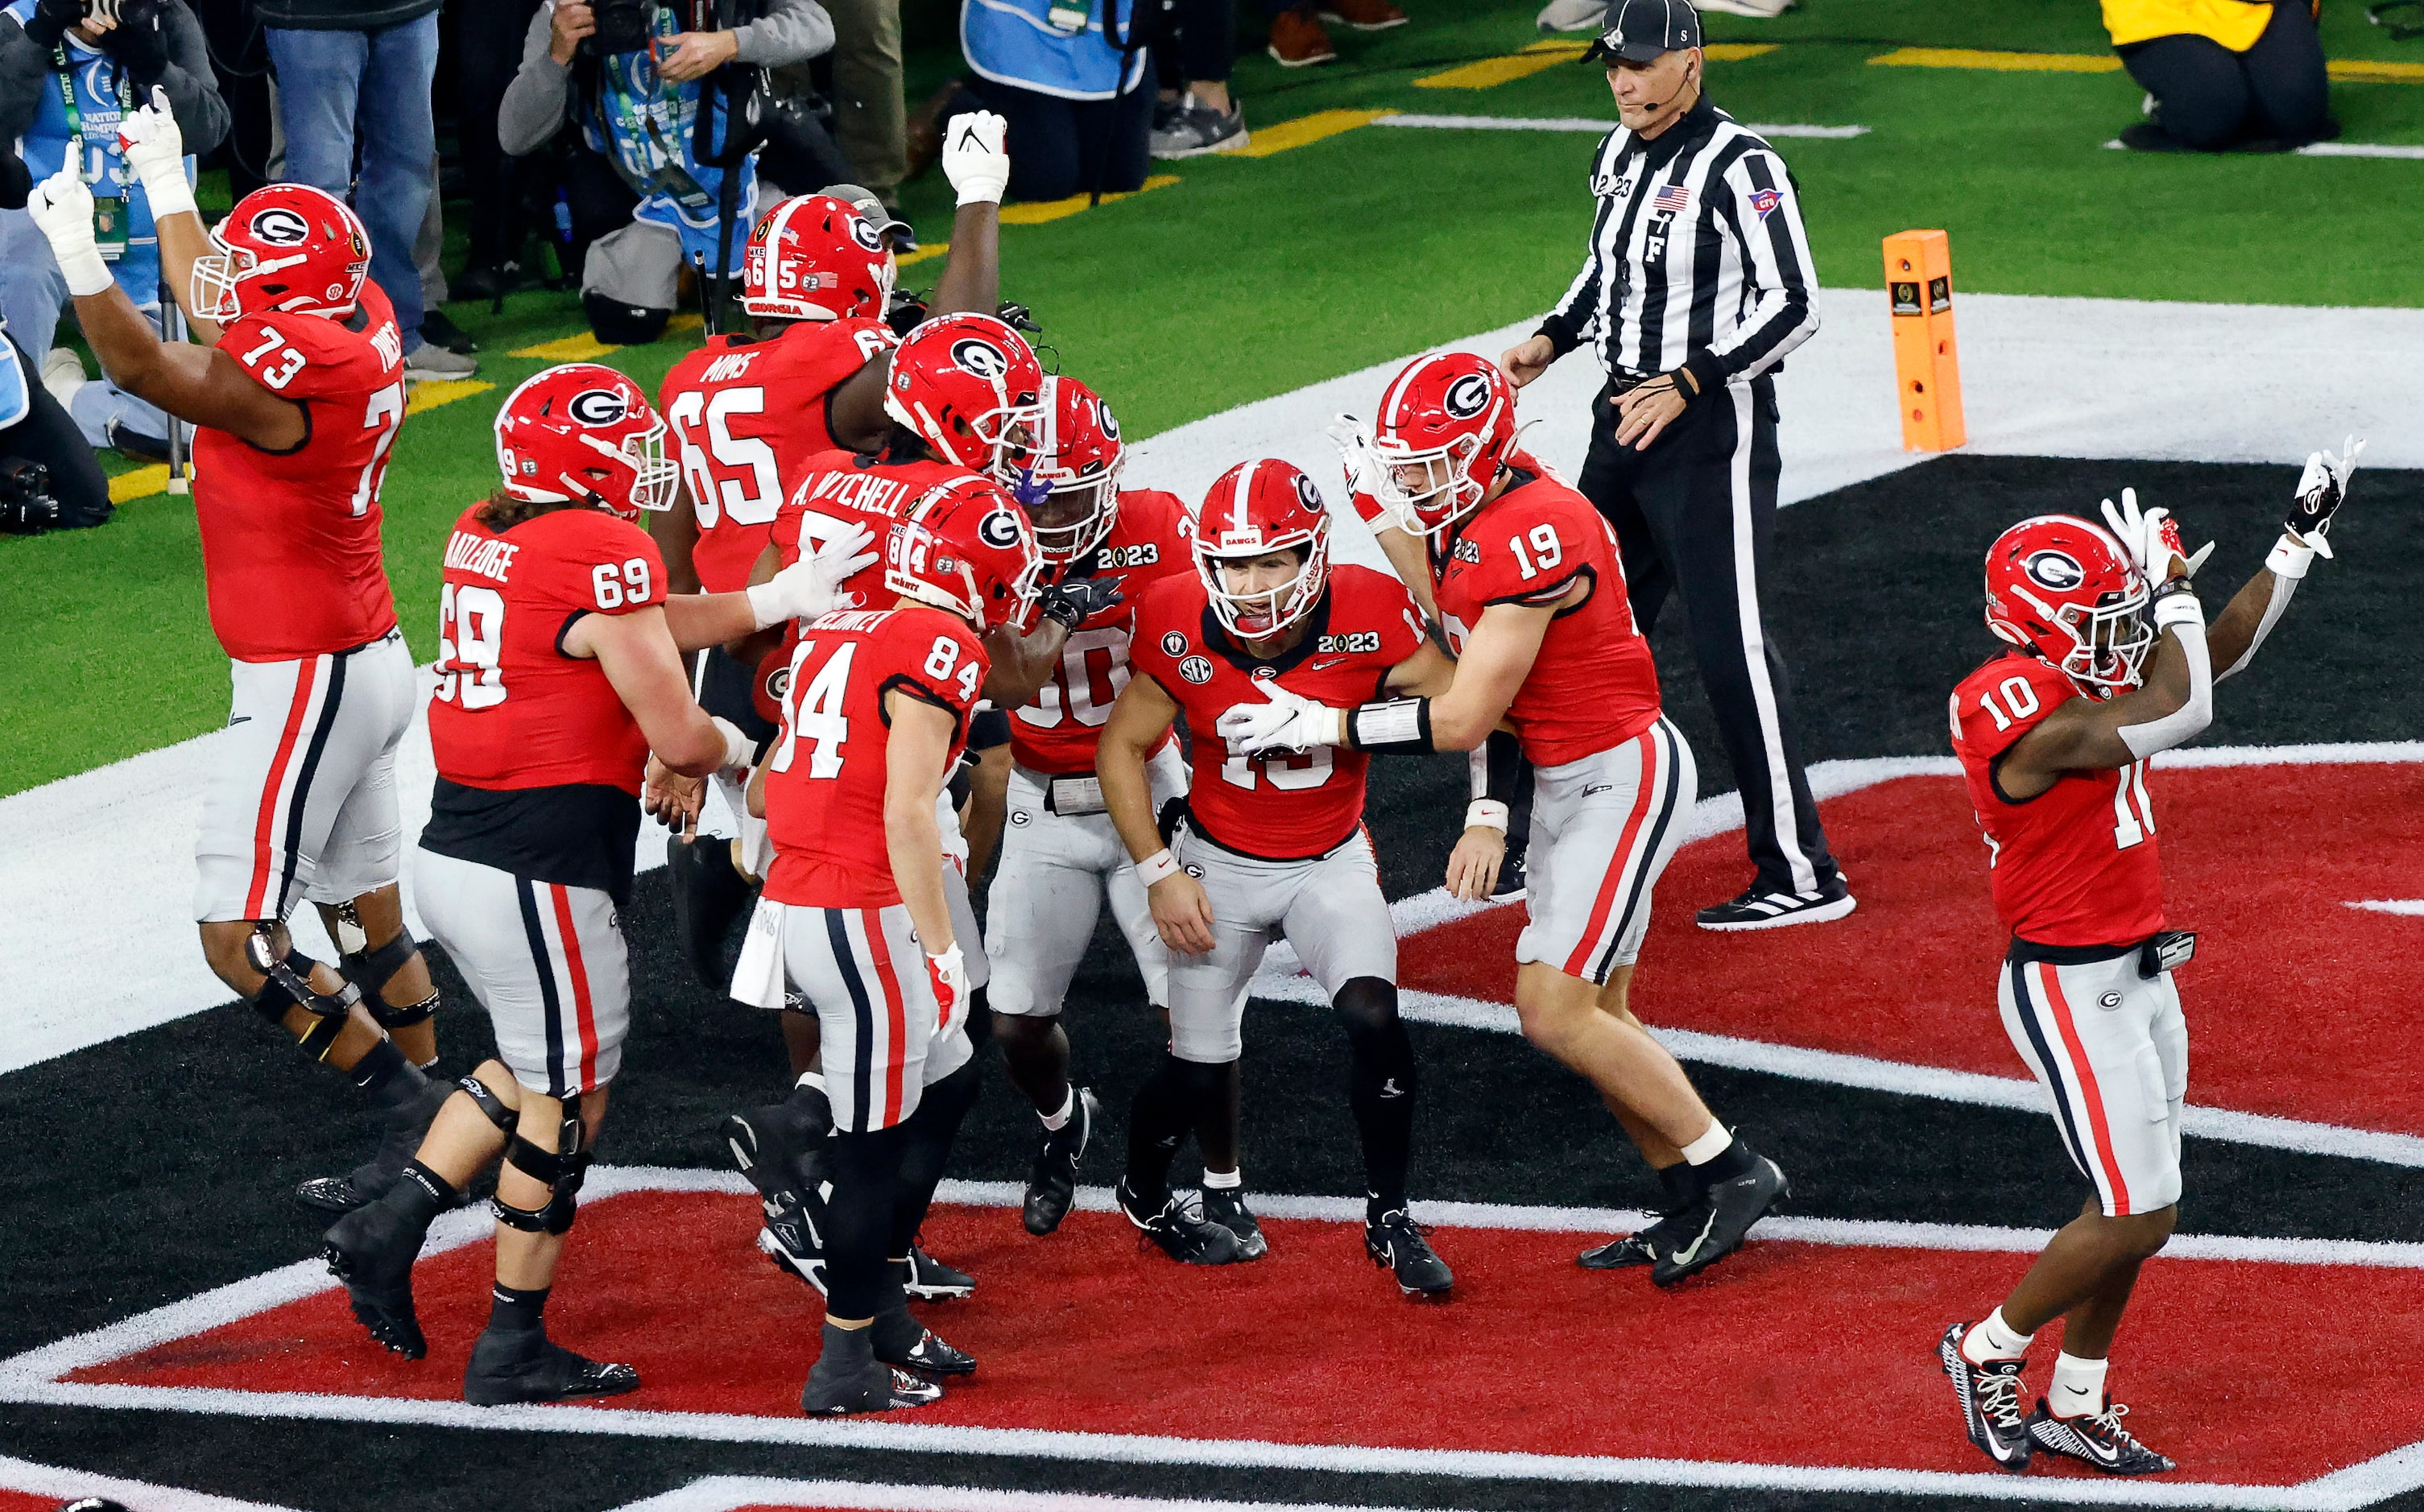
(1312,1346)
(28,1502)
(2298,1005)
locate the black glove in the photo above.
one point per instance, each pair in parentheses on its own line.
(2321,489)
(50,21)
(139,41)
(1072,603)
(16,182)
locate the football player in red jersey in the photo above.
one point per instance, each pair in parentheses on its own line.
(1269,843)
(559,670)
(1532,597)
(2112,662)
(295,395)
(875,712)
(1060,857)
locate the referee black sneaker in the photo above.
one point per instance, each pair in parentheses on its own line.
(1052,1182)
(1673,1228)
(1732,1205)
(2097,1439)
(1762,908)
(1396,1243)
(1227,1207)
(1185,1237)
(1990,1399)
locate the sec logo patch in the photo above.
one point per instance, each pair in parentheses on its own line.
(1196,669)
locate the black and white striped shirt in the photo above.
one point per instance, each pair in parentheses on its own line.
(1696,256)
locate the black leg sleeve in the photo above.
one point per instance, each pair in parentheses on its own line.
(858,1219)
(1170,1103)
(1718,538)
(926,1146)
(1380,1084)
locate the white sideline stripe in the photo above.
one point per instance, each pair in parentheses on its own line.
(2410,906)
(726,1493)
(1596,128)
(138,1496)
(2359,150)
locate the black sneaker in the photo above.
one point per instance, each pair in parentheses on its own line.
(530,1367)
(2098,1440)
(481,280)
(794,1241)
(1643,1249)
(1227,1207)
(399,1141)
(440,332)
(372,1251)
(931,1357)
(1052,1184)
(1990,1401)
(931,1280)
(1763,909)
(1397,1242)
(1183,1235)
(876,1387)
(1733,1207)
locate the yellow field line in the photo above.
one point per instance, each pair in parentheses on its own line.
(1963,57)
(929,249)
(1050,209)
(2359,71)
(1305,130)
(1541,56)
(142,483)
(587,348)
(431,395)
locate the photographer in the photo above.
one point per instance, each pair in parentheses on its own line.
(69,69)
(48,478)
(638,86)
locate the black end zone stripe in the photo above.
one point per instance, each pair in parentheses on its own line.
(863,1054)
(1606,961)
(334,695)
(2027,1008)
(552,1010)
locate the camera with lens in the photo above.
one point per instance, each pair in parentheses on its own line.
(26,507)
(623,25)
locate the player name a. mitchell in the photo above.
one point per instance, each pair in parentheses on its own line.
(870,491)
(477,555)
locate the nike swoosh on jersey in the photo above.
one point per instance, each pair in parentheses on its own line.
(1317,666)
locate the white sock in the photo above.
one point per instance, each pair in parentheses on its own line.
(1224,1180)
(811,1078)
(1995,1339)
(2078,1387)
(1709,1145)
(1056,1121)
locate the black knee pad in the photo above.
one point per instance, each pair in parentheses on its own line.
(563,1168)
(371,971)
(1367,1005)
(490,1105)
(621,323)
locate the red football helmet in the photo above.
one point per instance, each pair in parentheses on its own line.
(2066,590)
(816,258)
(970,387)
(287,249)
(584,431)
(967,547)
(1254,509)
(1446,425)
(1071,480)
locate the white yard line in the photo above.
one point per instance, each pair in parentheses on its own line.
(1599,128)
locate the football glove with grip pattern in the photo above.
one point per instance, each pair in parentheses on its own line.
(1289,722)
(2321,490)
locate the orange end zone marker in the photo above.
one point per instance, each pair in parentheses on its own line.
(1927,364)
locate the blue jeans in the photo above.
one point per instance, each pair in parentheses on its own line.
(326,81)
(33,292)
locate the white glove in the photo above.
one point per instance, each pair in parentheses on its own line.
(949,975)
(812,585)
(1289,722)
(62,208)
(974,158)
(2151,537)
(155,149)
(1364,473)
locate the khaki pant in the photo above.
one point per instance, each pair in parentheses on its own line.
(870,118)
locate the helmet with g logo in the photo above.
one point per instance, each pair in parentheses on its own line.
(1254,509)
(1076,459)
(2066,590)
(584,431)
(970,388)
(814,257)
(1446,425)
(287,249)
(967,547)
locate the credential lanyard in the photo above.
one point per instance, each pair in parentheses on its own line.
(123,174)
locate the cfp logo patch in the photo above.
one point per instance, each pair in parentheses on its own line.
(280,227)
(1466,551)
(980,357)
(1173,643)
(1467,396)
(2057,570)
(596,406)
(1196,669)
(1000,529)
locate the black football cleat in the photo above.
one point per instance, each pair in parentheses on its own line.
(793,1240)
(1396,1242)
(1730,1208)
(2099,1441)
(1185,1237)
(930,1280)
(400,1135)
(874,1388)
(1762,908)
(1052,1184)
(372,1251)
(1227,1207)
(930,1357)
(708,898)
(1990,1402)
(528,1366)
(1643,1249)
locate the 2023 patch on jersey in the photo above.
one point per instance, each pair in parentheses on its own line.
(1276,806)
(1056,731)
(2077,863)
(291,539)
(748,415)
(827,775)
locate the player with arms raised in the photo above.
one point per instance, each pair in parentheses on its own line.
(559,669)
(1060,857)
(1270,843)
(2114,663)
(875,714)
(1532,597)
(294,405)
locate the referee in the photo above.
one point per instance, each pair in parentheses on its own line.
(1697,284)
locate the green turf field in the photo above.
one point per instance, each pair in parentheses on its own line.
(1254,276)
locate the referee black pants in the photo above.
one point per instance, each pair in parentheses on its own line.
(1693,516)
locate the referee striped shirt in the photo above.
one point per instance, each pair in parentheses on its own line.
(1696,256)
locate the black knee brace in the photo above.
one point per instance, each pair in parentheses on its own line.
(489,1103)
(290,986)
(563,1168)
(370,970)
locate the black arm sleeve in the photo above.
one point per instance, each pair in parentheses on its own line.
(1497,767)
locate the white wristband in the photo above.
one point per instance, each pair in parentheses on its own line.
(2291,557)
(739,749)
(765,608)
(85,272)
(1486,813)
(2177,609)
(170,196)
(1154,868)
